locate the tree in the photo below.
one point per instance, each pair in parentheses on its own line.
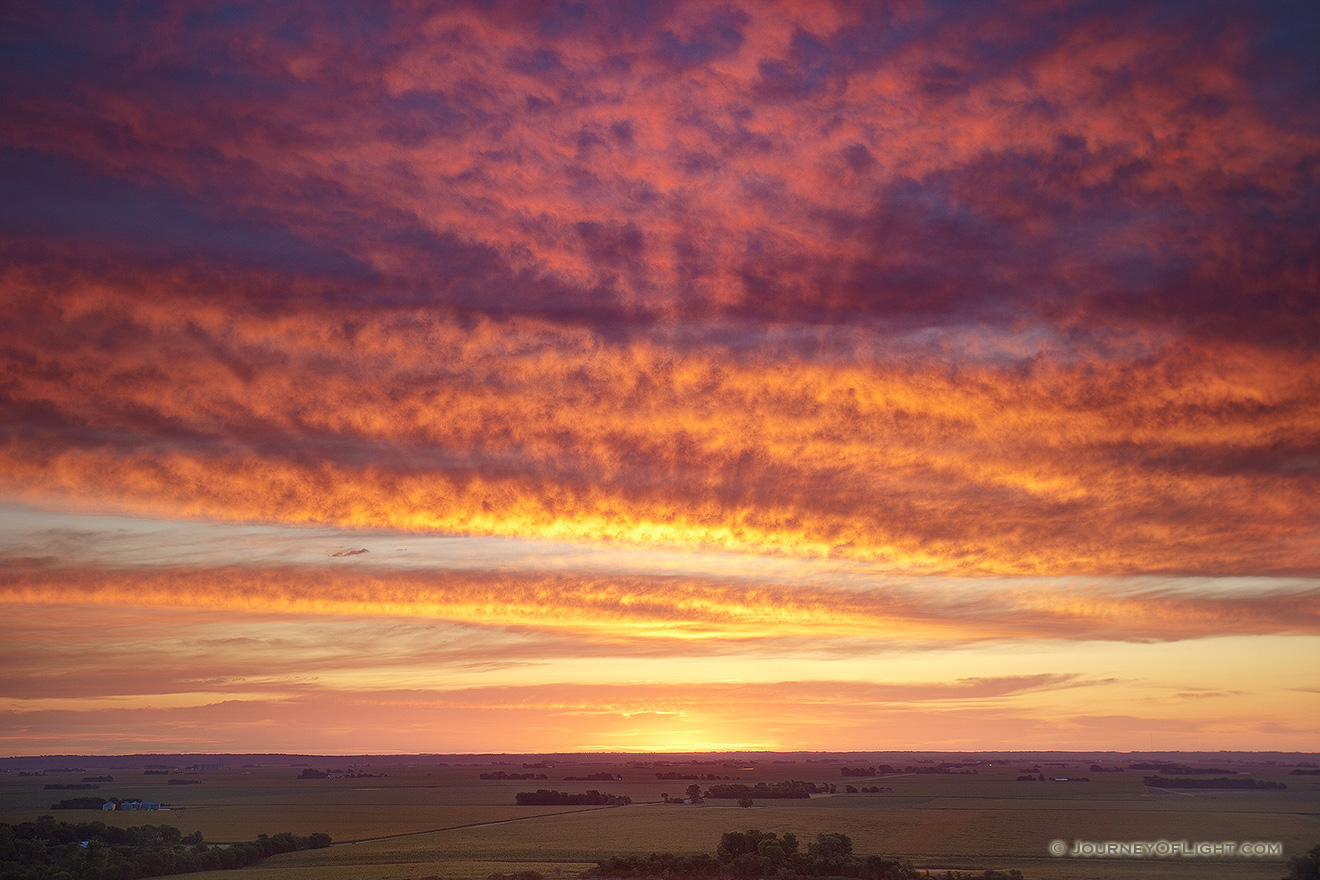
(694,791)
(1306,867)
(734,843)
(772,851)
(830,851)
(745,803)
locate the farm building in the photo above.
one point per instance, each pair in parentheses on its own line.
(139,805)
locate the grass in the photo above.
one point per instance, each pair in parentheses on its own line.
(444,822)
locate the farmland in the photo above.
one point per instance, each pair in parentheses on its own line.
(396,817)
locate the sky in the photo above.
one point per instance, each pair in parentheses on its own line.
(659,376)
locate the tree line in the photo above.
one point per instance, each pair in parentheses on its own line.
(50,850)
(789,788)
(548,797)
(1239,782)
(747,855)
(886,769)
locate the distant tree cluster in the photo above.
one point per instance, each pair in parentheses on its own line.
(543,797)
(603,776)
(52,771)
(886,769)
(1239,782)
(71,786)
(80,803)
(693,795)
(1041,777)
(500,774)
(1177,769)
(518,875)
(312,773)
(789,788)
(50,850)
(1305,867)
(745,855)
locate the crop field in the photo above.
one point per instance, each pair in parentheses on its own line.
(439,819)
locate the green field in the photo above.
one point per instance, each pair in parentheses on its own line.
(426,820)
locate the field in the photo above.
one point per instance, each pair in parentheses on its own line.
(434,817)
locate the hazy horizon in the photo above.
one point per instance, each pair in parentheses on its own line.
(830,756)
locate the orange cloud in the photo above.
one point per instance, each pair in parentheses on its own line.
(1016,311)
(523,429)
(623,609)
(639,717)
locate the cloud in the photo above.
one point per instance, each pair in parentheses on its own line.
(609,718)
(519,428)
(259,673)
(1035,158)
(948,292)
(1205,695)
(1051,271)
(627,610)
